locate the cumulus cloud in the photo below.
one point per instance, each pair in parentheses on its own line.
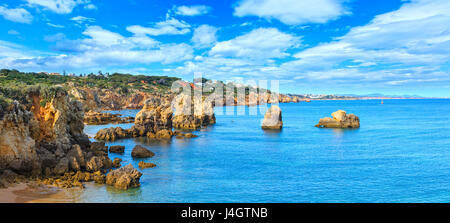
(170,26)
(404,47)
(16,15)
(194,10)
(259,43)
(58,6)
(100,47)
(292,12)
(204,36)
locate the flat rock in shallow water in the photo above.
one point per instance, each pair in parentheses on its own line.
(117,149)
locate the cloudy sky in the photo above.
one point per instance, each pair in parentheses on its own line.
(320,46)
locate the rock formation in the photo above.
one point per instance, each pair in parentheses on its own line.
(97,118)
(272,118)
(153,121)
(192,112)
(117,149)
(144,165)
(116,162)
(141,152)
(42,136)
(124,177)
(340,120)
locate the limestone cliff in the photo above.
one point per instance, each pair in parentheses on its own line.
(192,112)
(43,135)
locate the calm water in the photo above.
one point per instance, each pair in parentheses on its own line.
(401,153)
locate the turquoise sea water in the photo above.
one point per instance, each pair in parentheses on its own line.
(401,153)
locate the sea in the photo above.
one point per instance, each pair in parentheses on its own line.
(401,153)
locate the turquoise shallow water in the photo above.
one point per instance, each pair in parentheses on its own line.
(401,153)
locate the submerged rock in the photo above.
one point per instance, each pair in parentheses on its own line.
(141,152)
(272,118)
(144,165)
(340,120)
(124,178)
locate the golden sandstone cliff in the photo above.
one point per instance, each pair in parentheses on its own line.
(42,137)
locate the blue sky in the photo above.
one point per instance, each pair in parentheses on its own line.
(321,46)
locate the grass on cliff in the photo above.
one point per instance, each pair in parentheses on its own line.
(22,93)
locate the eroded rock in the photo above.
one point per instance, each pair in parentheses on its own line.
(272,118)
(340,120)
(124,178)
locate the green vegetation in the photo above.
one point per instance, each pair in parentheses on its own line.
(121,82)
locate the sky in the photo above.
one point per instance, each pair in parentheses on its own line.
(394,47)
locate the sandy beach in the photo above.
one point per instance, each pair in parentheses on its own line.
(32,193)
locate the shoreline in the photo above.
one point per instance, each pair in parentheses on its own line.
(33,193)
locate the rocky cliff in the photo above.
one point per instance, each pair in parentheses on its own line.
(192,112)
(43,136)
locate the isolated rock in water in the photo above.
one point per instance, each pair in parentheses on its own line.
(340,120)
(116,162)
(117,149)
(272,118)
(144,165)
(124,177)
(141,152)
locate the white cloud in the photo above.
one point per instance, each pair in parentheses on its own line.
(170,26)
(55,25)
(16,15)
(292,12)
(259,43)
(204,36)
(100,48)
(58,6)
(194,10)
(90,7)
(13,32)
(82,19)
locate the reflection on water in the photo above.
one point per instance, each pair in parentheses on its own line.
(236,161)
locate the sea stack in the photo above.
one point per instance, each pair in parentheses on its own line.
(272,118)
(340,120)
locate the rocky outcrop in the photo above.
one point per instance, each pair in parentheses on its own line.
(141,152)
(180,135)
(144,165)
(192,112)
(340,120)
(153,121)
(117,162)
(124,178)
(97,118)
(42,136)
(117,149)
(156,116)
(272,118)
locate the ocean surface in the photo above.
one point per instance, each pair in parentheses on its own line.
(401,153)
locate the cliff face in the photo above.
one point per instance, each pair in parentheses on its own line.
(96,99)
(44,135)
(192,113)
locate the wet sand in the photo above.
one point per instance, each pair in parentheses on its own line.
(32,193)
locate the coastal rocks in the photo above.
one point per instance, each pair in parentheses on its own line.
(192,112)
(99,163)
(155,116)
(97,118)
(112,134)
(116,162)
(124,177)
(144,165)
(272,118)
(141,152)
(180,135)
(340,120)
(117,149)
